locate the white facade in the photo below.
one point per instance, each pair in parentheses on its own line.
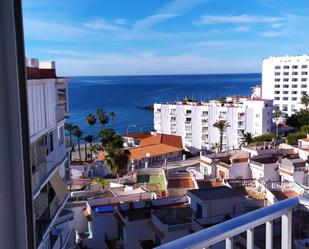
(47,110)
(285,79)
(194,121)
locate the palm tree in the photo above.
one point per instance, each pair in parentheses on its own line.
(305,100)
(69,127)
(91,119)
(103,119)
(78,134)
(277,114)
(246,138)
(117,159)
(221,125)
(95,148)
(107,135)
(112,115)
(88,139)
(215,147)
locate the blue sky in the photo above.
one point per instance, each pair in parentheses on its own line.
(121,37)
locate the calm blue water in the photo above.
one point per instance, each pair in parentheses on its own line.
(127,95)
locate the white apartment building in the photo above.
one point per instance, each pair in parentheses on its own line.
(285,79)
(48,108)
(193,121)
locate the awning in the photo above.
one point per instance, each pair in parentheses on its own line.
(58,185)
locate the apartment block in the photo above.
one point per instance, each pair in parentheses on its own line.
(194,121)
(285,79)
(48,108)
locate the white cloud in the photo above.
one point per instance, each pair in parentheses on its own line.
(276,25)
(242,29)
(150,63)
(101,24)
(236,19)
(44,30)
(120,21)
(173,9)
(271,34)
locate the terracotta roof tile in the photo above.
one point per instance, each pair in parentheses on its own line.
(180,183)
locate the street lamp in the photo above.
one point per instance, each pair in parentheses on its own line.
(133,125)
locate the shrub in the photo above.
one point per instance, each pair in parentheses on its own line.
(292,138)
(305,129)
(268,137)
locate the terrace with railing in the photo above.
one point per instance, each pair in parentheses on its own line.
(285,216)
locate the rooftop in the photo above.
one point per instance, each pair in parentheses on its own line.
(174,216)
(215,193)
(297,162)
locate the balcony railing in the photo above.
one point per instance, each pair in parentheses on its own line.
(287,168)
(61,112)
(226,231)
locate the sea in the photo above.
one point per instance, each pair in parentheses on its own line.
(127,96)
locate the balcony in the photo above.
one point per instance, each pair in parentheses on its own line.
(188,127)
(225,233)
(61,112)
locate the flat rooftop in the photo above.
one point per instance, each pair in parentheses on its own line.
(174,216)
(215,193)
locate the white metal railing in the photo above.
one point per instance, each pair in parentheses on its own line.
(181,227)
(225,231)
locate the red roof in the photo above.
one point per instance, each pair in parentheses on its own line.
(180,183)
(170,140)
(39,73)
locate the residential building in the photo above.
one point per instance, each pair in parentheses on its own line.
(194,121)
(285,79)
(256,91)
(214,205)
(153,179)
(47,110)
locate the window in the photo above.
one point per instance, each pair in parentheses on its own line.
(303,86)
(285,86)
(294,79)
(304,73)
(277,98)
(285,92)
(285,108)
(285,79)
(277,80)
(294,92)
(277,86)
(294,67)
(285,73)
(294,98)
(304,66)
(285,98)
(277,73)
(286,67)
(294,73)
(304,79)
(303,92)
(277,67)
(277,92)
(61,135)
(294,86)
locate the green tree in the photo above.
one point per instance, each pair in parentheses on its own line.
(215,147)
(88,139)
(103,119)
(277,114)
(221,125)
(246,138)
(69,127)
(95,148)
(78,134)
(305,129)
(107,136)
(117,159)
(305,100)
(91,119)
(292,138)
(268,137)
(112,116)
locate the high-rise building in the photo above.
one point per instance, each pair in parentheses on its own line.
(285,79)
(47,110)
(194,121)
